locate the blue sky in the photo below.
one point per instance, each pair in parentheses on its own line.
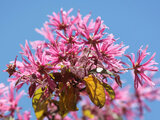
(135,22)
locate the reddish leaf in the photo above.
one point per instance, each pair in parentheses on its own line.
(32,89)
(56,76)
(118,81)
(52,84)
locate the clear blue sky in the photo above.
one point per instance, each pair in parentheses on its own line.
(135,22)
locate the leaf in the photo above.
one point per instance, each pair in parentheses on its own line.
(109,90)
(118,81)
(40,106)
(52,84)
(62,107)
(103,71)
(68,101)
(56,76)
(95,90)
(8,118)
(71,99)
(87,113)
(51,75)
(116,116)
(32,89)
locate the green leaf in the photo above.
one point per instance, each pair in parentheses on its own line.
(109,90)
(39,105)
(95,90)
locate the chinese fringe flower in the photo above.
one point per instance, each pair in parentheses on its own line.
(140,68)
(78,59)
(9,103)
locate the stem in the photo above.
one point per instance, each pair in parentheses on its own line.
(126,69)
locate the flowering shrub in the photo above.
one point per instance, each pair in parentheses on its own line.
(80,62)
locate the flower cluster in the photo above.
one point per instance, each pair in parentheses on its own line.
(9,104)
(80,59)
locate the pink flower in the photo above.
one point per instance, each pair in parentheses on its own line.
(140,68)
(47,33)
(95,33)
(62,53)
(56,22)
(26,116)
(148,93)
(35,67)
(69,38)
(9,102)
(109,51)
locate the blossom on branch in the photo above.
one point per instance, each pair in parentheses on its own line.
(140,68)
(9,103)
